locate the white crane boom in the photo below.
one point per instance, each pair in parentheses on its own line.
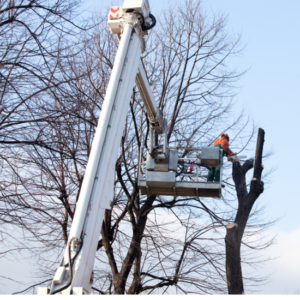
(75,272)
(155,116)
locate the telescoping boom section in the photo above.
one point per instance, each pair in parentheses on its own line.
(162,174)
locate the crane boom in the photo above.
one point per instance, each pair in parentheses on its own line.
(155,115)
(75,272)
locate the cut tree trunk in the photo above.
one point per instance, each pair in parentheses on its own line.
(246,201)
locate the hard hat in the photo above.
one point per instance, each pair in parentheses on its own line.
(225,135)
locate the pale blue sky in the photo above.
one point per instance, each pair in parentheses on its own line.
(271,91)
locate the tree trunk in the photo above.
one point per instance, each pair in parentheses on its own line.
(246,200)
(233,261)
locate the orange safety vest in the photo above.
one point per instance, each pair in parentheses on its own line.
(224,145)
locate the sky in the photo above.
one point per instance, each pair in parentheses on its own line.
(270,93)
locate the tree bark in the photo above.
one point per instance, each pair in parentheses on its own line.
(246,201)
(233,260)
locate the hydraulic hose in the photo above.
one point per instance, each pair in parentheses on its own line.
(70,263)
(144,28)
(141,15)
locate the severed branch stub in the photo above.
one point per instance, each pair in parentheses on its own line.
(246,201)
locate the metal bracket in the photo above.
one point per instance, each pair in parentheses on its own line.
(133,19)
(165,134)
(148,193)
(151,141)
(138,31)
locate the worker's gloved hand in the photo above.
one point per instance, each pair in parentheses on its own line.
(233,157)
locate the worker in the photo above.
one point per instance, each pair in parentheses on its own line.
(223,142)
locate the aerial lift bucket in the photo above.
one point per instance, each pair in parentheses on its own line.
(183,177)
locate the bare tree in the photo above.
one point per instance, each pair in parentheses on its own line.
(246,201)
(35,36)
(186,67)
(42,174)
(149,244)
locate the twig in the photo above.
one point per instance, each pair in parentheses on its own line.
(31,287)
